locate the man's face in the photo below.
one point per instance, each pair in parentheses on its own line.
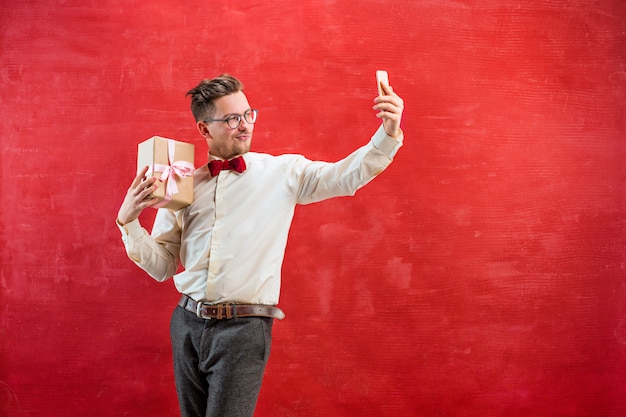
(223,141)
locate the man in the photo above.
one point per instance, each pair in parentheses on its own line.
(231,242)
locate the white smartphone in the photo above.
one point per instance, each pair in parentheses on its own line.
(381,78)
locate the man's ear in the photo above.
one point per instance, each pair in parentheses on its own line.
(203,128)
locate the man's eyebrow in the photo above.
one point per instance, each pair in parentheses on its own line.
(237,114)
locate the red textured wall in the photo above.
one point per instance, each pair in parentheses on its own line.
(482,275)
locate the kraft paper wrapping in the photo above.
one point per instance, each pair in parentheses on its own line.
(171,162)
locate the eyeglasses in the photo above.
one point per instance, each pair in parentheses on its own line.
(234,120)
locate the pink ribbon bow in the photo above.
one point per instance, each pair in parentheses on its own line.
(169,172)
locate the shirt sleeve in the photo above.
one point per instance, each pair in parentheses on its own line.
(158,258)
(315,181)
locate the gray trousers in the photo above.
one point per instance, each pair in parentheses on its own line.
(219,364)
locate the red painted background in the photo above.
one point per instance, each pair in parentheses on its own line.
(482,275)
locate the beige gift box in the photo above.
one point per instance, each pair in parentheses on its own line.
(171,162)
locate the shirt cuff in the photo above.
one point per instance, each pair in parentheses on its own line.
(387,144)
(132,229)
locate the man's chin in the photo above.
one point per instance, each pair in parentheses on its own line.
(244,146)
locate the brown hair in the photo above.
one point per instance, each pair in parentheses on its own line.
(207,91)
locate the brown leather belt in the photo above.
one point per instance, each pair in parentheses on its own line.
(205,310)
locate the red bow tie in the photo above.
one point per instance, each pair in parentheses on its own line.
(236,164)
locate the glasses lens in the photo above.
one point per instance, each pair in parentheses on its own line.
(233,121)
(250,115)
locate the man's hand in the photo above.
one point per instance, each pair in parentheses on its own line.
(137,198)
(390,107)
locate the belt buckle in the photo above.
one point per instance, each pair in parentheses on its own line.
(199,306)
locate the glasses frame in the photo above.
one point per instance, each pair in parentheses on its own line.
(237,117)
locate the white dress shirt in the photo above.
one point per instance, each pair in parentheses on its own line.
(231,240)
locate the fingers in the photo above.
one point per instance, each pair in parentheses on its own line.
(390,98)
(138,197)
(142,186)
(141,176)
(390,107)
(145,189)
(387,89)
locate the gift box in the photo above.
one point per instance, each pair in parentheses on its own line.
(171,162)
